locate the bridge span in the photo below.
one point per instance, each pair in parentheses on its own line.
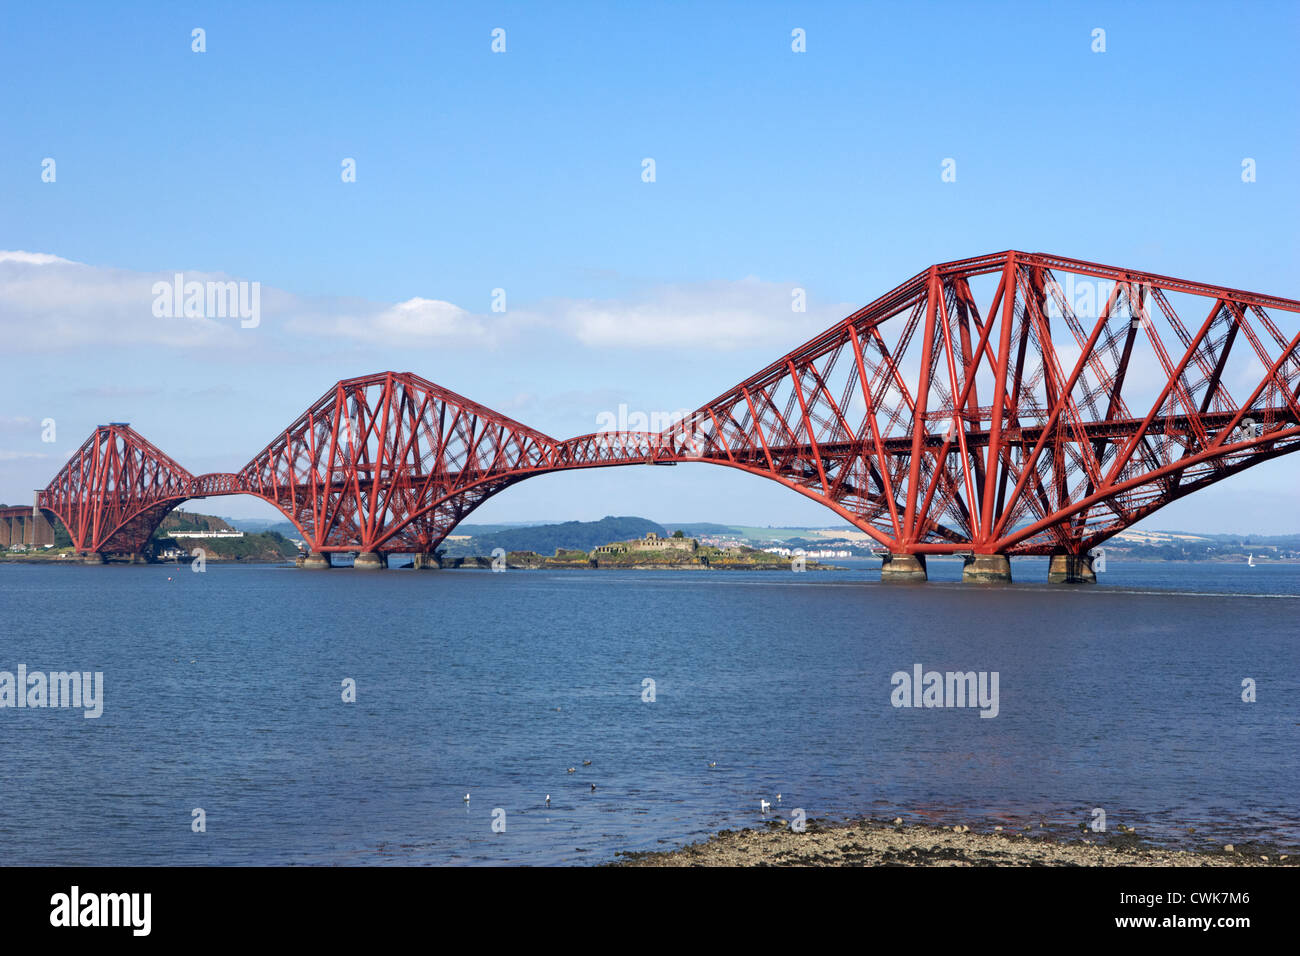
(1009,404)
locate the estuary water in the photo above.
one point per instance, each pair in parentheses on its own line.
(223,691)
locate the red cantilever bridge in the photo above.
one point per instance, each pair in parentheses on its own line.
(1010,404)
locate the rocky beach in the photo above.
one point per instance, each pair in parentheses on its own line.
(897,843)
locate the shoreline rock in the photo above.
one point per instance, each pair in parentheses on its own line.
(881,843)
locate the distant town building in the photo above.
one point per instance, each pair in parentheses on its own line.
(810,552)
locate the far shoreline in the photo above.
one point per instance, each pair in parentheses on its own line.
(482,563)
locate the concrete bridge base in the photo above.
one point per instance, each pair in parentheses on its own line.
(316,561)
(21,525)
(986,569)
(904,568)
(93,557)
(1071,569)
(425,562)
(370,561)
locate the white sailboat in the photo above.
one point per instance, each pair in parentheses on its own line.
(1250,561)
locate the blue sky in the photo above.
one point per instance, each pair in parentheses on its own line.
(522,171)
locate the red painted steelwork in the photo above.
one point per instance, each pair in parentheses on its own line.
(1044,423)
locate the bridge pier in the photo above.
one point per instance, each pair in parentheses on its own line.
(425,561)
(1071,569)
(371,561)
(986,569)
(94,557)
(903,567)
(316,561)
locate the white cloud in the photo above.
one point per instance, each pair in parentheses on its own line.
(707,315)
(31,258)
(20,455)
(50,304)
(415,322)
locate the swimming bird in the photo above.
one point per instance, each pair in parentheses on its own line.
(467,798)
(548,799)
(572,770)
(593,788)
(586,763)
(778,798)
(713,763)
(764,805)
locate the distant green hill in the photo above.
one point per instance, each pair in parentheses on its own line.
(254,546)
(257,546)
(478,529)
(693,529)
(191,521)
(544,539)
(1246,540)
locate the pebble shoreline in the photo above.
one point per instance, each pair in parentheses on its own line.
(883,843)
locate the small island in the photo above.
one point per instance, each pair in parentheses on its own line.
(652,552)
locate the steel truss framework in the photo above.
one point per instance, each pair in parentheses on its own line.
(1013,403)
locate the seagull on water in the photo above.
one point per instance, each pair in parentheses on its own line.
(548,799)
(764,805)
(467,798)
(572,770)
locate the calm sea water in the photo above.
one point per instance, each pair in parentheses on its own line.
(223,691)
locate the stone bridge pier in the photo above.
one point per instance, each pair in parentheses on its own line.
(23,525)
